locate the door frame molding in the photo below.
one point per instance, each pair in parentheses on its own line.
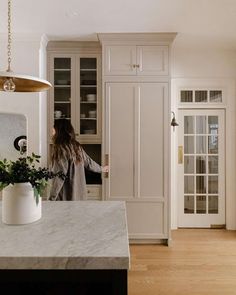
(229,105)
(205,220)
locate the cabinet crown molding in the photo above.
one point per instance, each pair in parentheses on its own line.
(73,46)
(161,38)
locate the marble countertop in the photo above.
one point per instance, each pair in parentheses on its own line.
(70,235)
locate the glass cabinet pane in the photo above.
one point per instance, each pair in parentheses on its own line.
(62,88)
(215,96)
(200,96)
(186,96)
(88,96)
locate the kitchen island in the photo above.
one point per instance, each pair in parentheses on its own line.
(75,248)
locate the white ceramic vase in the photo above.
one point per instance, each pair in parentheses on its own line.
(19,204)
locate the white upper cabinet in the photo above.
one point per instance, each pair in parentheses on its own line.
(150,60)
(120,60)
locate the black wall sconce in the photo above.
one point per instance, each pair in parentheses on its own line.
(173,121)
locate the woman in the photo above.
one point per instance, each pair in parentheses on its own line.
(69,157)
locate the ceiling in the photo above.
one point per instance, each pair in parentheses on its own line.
(81,20)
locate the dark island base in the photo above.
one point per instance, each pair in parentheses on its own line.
(64,282)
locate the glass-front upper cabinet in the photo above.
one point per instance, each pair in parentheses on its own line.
(88,121)
(88,96)
(76,93)
(62,88)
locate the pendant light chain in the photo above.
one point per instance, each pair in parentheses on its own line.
(12,82)
(9,37)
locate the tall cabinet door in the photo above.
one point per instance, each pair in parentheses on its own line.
(136,142)
(120,140)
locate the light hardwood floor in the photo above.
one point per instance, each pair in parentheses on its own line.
(199,262)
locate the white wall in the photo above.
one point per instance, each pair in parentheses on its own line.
(202,63)
(192,58)
(26,60)
(11,127)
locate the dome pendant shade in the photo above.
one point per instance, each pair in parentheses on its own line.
(12,82)
(23,83)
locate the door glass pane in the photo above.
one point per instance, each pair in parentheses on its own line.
(186,96)
(201,204)
(200,96)
(213,184)
(215,96)
(212,164)
(201,184)
(200,165)
(213,125)
(188,164)
(189,144)
(188,184)
(188,125)
(213,204)
(201,124)
(213,144)
(200,144)
(188,204)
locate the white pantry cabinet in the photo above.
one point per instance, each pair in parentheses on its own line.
(136,130)
(136,142)
(136,60)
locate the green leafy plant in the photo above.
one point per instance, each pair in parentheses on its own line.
(25,170)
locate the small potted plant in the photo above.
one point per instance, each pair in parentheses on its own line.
(23,184)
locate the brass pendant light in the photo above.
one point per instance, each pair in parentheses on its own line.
(12,82)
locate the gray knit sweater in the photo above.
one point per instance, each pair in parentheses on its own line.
(74,186)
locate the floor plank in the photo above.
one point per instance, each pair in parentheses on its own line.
(199,262)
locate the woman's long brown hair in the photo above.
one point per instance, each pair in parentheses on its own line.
(65,144)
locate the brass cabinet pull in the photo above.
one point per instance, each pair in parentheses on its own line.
(106,174)
(180,154)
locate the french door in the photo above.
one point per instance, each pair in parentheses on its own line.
(201,168)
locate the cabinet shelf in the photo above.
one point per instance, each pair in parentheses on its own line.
(88,102)
(88,119)
(62,86)
(88,70)
(62,102)
(67,118)
(62,70)
(88,86)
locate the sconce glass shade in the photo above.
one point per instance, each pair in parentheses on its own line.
(22,83)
